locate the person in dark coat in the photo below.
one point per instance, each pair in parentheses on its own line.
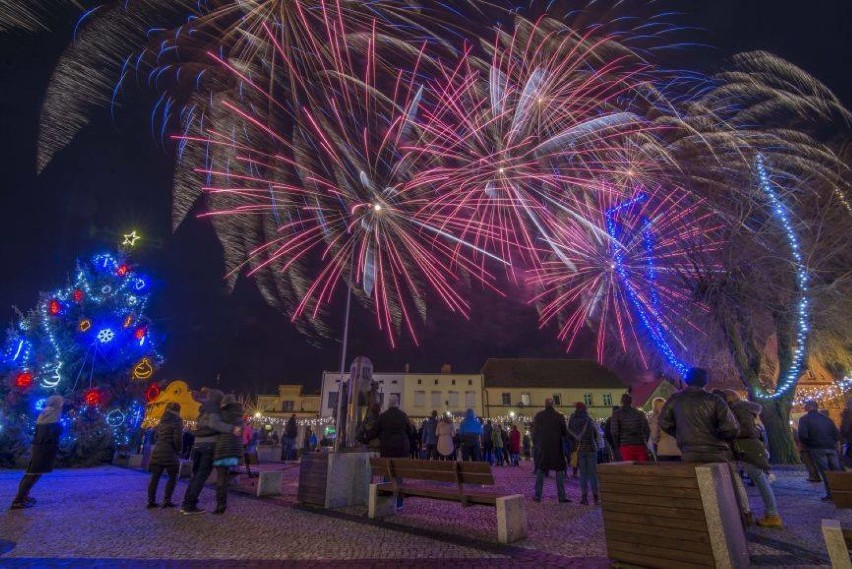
(549,429)
(392,430)
(630,431)
(288,443)
(430,439)
(607,429)
(44,448)
(228,450)
(208,427)
(166,455)
(487,448)
(820,436)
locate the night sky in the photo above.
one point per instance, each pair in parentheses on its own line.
(115,177)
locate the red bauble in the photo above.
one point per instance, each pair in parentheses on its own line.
(122,270)
(24,380)
(78,295)
(140,332)
(152,392)
(93,397)
(53,307)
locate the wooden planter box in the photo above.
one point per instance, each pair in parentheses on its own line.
(672,515)
(334,479)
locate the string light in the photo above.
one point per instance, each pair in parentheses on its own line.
(143,370)
(822,393)
(649,321)
(789,377)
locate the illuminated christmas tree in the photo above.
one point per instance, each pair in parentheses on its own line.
(90,342)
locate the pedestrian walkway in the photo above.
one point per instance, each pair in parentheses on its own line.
(97,518)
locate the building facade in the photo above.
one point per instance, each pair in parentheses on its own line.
(419,393)
(518,387)
(444,392)
(289,400)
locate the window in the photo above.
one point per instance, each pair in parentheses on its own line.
(436,382)
(393,381)
(525,398)
(506,398)
(470,399)
(419,382)
(398,398)
(419,398)
(587,399)
(332,400)
(382,400)
(436,399)
(607,399)
(287,406)
(470,382)
(454,382)
(557,399)
(454,400)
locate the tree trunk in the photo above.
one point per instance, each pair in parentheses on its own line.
(776,419)
(747,358)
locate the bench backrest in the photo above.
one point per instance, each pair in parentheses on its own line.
(840,484)
(433,470)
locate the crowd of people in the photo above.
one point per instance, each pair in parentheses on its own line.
(694,425)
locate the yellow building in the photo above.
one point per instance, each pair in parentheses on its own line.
(518,387)
(289,400)
(441,392)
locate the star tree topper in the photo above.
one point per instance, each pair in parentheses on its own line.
(131,238)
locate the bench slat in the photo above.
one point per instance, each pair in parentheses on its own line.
(661,491)
(607,496)
(641,480)
(616,548)
(672,537)
(672,513)
(659,470)
(659,524)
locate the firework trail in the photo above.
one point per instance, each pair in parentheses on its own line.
(629,256)
(516,137)
(339,188)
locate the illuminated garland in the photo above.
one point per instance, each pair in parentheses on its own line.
(827,393)
(789,378)
(648,314)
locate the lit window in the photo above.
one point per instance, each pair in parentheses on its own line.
(525,398)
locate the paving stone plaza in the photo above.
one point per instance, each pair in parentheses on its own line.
(96,517)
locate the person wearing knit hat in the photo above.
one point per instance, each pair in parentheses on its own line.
(44,449)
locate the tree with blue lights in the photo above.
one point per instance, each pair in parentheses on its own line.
(90,342)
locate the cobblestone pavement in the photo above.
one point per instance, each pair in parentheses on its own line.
(97,518)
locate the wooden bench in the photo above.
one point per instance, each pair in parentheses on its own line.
(511,515)
(672,515)
(838,540)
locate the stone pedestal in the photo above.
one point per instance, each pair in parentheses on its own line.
(334,479)
(722,513)
(269,483)
(511,518)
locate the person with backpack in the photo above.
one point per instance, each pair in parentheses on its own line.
(583,430)
(166,455)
